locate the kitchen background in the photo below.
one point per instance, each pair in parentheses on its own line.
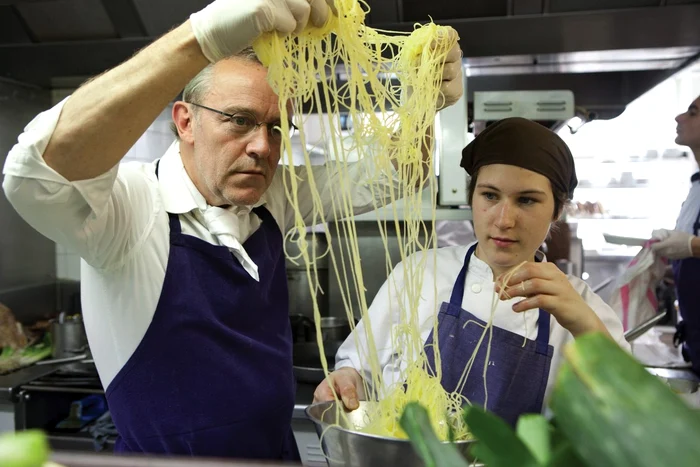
(630,65)
(629,167)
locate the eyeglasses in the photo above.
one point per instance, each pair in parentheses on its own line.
(243,123)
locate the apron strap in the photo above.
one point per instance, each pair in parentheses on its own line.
(696,225)
(263,213)
(458,289)
(542,342)
(174,221)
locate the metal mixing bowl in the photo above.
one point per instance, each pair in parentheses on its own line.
(680,380)
(346,447)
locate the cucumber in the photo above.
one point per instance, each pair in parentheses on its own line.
(23,449)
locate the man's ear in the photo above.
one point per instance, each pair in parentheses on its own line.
(183,118)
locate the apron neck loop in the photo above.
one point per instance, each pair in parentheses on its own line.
(543,321)
(458,289)
(542,341)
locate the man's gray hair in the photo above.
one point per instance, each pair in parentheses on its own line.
(200,85)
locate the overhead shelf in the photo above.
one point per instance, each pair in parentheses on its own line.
(441,214)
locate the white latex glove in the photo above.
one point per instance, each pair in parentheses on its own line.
(673,244)
(226,27)
(452,87)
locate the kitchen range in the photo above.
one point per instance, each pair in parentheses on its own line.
(70,407)
(63,396)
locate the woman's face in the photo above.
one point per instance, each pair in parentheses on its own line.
(512,209)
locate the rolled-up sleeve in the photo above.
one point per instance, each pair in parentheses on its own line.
(92,217)
(606,314)
(373,341)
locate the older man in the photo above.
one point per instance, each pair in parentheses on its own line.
(183,280)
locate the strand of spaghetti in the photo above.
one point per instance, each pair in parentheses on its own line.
(360,49)
(495,300)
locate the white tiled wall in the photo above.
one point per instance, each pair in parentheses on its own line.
(67,264)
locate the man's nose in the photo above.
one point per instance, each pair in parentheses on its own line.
(260,144)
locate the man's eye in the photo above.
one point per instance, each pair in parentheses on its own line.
(242,121)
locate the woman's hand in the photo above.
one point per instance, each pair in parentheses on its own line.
(544,286)
(348,385)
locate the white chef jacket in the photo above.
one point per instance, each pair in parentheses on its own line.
(118,223)
(440,269)
(690,208)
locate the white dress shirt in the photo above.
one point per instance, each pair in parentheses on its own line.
(118,223)
(440,269)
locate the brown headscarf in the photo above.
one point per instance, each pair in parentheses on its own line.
(527,144)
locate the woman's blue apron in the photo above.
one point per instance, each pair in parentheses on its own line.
(517,375)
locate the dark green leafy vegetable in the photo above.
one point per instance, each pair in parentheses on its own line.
(432,451)
(609,411)
(616,413)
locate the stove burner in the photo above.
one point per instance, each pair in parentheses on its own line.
(68,380)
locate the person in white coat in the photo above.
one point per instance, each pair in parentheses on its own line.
(183,282)
(682,244)
(522,176)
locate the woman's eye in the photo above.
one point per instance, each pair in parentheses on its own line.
(526,200)
(489,196)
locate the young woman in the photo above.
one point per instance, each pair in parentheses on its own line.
(522,174)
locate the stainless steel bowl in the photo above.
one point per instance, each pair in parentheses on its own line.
(680,380)
(343,446)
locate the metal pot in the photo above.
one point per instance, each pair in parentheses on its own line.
(332,329)
(307,360)
(344,446)
(300,297)
(70,344)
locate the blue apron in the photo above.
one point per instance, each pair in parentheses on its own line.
(686,274)
(517,375)
(213,374)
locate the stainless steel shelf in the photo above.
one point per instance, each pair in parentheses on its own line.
(441,214)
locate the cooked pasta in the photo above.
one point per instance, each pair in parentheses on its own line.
(390,123)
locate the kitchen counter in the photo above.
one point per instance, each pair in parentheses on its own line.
(10,382)
(304,397)
(70,459)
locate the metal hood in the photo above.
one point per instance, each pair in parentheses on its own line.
(608,52)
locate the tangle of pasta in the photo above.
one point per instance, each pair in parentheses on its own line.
(390,126)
